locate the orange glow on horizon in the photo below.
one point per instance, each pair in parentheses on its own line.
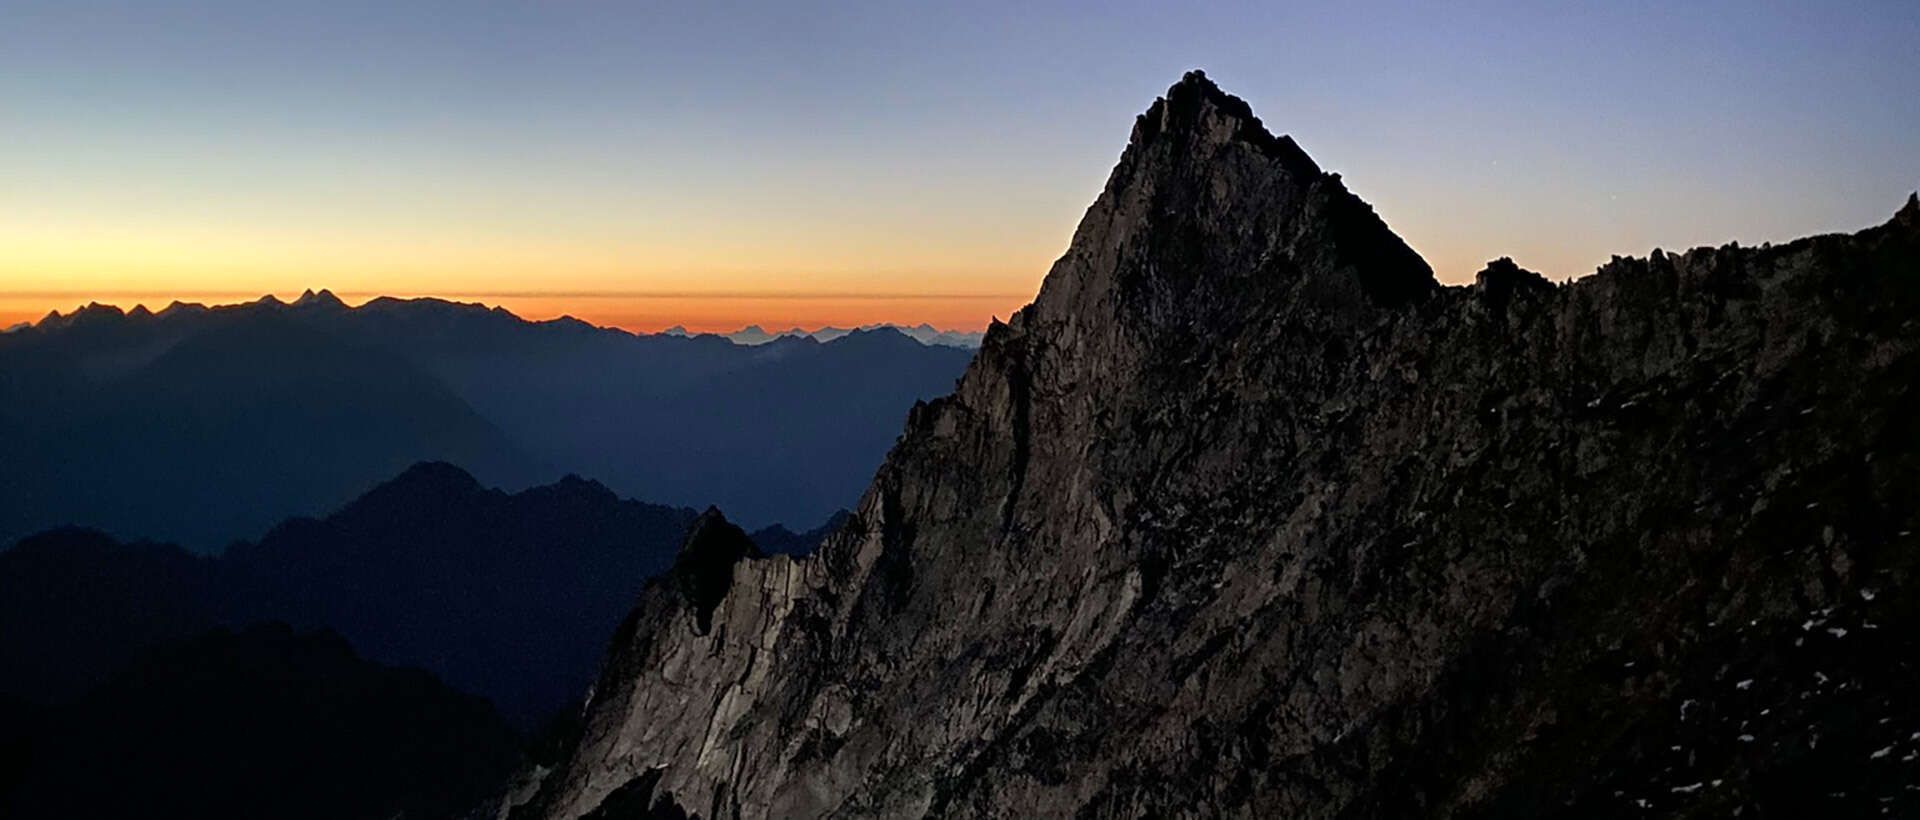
(636,312)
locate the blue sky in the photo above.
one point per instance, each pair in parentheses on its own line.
(770,149)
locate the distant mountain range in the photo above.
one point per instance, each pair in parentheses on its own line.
(923,333)
(508,596)
(202,425)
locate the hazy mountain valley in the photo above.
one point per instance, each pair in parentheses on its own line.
(204,426)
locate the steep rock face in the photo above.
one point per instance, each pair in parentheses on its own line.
(1246,515)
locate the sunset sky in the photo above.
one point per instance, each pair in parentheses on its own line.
(721,164)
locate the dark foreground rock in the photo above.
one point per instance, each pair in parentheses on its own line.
(1246,515)
(264,722)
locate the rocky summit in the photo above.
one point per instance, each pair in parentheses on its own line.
(1246,515)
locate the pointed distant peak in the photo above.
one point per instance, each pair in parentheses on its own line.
(87,314)
(431,474)
(139,311)
(572,490)
(320,298)
(1909,214)
(576,480)
(421,489)
(177,306)
(269,300)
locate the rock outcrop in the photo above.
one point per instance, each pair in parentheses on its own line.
(1246,515)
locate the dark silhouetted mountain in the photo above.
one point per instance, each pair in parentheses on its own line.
(508,596)
(75,606)
(202,426)
(1246,516)
(923,333)
(265,722)
(788,431)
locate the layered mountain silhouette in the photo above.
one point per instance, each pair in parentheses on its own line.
(1246,515)
(924,333)
(201,426)
(510,596)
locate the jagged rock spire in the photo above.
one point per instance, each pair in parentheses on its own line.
(704,569)
(1210,220)
(1245,512)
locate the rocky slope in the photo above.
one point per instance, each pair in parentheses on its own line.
(1246,515)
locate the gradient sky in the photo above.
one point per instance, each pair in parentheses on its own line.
(645,165)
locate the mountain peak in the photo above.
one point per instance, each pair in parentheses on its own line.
(1237,508)
(90,313)
(426,479)
(1210,222)
(320,298)
(1196,108)
(177,307)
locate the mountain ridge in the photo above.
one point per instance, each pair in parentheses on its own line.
(509,596)
(325,300)
(205,425)
(1246,512)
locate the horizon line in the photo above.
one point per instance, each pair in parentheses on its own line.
(96,295)
(497,301)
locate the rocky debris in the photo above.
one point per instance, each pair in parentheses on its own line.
(1245,515)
